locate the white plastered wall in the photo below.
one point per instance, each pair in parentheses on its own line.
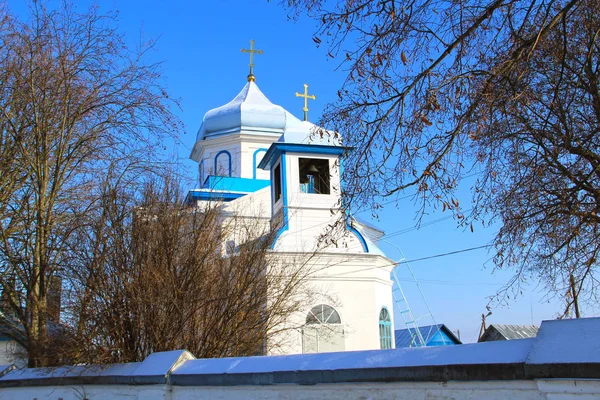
(356,285)
(310,216)
(467,390)
(249,148)
(241,146)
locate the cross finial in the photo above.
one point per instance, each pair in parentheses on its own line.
(306,97)
(251,77)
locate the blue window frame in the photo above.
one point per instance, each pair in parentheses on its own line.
(201,173)
(254,161)
(224,171)
(385,329)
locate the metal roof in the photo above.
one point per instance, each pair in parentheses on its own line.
(406,337)
(511,332)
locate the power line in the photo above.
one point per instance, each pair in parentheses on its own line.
(413,228)
(448,254)
(392,234)
(409,196)
(450,283)
(415,260)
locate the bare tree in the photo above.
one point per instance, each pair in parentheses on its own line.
(74,101)
(155,274)
(506,89)
(543,118)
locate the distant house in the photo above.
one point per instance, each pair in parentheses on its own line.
(8,347)
(433,335)
(508,332)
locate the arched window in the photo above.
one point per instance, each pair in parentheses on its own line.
(323,314)
(201,173)
(323,331)
(223,163)
(385,329)
(256,158)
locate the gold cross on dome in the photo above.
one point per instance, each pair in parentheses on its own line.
(306,97)
(251,77)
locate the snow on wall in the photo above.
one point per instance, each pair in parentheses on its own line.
(495,370)
(493,352)
(560,342)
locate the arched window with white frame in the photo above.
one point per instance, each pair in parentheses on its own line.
(323,331)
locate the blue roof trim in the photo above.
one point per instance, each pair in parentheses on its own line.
(235,184)
(277,149)
(212,195)
(284,199)
(352,229)
(359,236)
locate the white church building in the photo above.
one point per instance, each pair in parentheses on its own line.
(259,159)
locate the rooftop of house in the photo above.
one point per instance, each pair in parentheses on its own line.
(433,335)
(508,332)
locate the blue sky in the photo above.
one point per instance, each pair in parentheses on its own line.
(199,43)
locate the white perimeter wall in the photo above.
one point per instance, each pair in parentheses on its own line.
(558,389)
(493,370)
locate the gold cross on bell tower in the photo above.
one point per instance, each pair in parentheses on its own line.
(251,77)
(306,97)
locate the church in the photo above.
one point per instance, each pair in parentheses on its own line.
(259,159)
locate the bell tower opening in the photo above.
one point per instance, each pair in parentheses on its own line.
(277,183)
(314,175)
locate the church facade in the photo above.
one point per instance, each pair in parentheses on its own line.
(260,160)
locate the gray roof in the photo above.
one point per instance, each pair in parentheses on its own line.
(509,332)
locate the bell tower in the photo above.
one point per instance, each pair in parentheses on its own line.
(306,189)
